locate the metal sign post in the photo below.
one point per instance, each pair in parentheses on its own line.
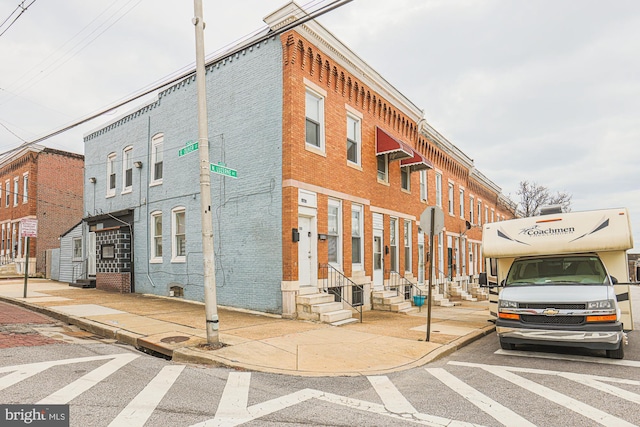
(433,218)
(28,229)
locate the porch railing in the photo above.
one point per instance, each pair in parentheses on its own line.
(403,286)
(79,271)
(336,283)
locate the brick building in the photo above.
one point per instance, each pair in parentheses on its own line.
(43,184)
(334,168)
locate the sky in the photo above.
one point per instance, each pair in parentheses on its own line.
(546,91)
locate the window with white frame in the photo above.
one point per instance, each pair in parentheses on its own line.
(441,253)
(127,169)
(407,245)
(493,215)
(157,147)
(7,193)
(471,208)
(334,232)
(25,188)
(405,178)
(486,214)
(451,201)
(423,185)
(111,174)
(479,212)
(393,244)
(354,140)
(438,189)
(356,237)
(178,235)
(462,203)
(156,237)
(15,191)
(77,248)
(383,168)
(314,112)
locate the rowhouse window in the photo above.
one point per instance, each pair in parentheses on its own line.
(15,191)
(179,247)
(127,169)
(356,237)
(111,174)
(471,207)
(407,246)
(393,244)
(462,203)
(156,236)
(25,188)
(314,110)
(333,232)
(405,178)
(157,143)
(7,193)
(353,139)
(479,212)
(423,185)
(451,202)
(383,167)
(77,248)
(439,189)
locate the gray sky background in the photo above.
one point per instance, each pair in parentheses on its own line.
(545,90)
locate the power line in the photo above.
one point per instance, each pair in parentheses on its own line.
(306,16)
(22,10)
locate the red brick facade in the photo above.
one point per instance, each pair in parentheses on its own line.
(118,282)
(327,172)
(54,191)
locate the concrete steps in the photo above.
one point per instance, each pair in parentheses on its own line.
(321,307)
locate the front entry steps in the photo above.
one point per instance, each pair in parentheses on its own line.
(391,301)
(321,307)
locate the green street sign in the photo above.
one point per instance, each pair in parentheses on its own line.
(221,169)
(189,148)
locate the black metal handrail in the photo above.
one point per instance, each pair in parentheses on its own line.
(80,271)
(403,286)
(334,282)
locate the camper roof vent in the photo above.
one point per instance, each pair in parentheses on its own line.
(551,209)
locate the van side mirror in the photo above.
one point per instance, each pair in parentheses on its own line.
(482,279)
(614,280)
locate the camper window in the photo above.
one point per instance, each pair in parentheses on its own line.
(560,269)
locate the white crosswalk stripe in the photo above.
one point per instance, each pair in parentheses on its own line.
(234,406)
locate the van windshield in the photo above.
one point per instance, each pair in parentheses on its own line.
(569,269)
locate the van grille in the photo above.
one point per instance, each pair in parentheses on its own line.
(557,306)
(556,320)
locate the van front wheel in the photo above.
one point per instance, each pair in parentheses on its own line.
(507,345)
(617,353)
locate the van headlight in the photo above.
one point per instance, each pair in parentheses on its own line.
(507,304)
(606,304)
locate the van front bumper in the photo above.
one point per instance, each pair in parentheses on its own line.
(597,336)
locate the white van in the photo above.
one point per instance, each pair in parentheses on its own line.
(561,279)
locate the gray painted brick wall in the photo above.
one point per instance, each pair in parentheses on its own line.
(245,131)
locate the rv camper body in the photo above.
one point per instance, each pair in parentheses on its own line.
(561,279)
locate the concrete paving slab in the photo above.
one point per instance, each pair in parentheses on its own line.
(38,300)
(446,328)
(86,310)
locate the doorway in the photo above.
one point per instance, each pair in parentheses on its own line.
(307,251)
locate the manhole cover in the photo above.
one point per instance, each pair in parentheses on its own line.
(174,340)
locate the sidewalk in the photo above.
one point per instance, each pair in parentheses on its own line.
(384,342)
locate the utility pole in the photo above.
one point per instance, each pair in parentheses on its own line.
(210,302)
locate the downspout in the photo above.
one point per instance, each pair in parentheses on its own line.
(146,201)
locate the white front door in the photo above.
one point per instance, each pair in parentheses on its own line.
(306,251)
(378,260)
